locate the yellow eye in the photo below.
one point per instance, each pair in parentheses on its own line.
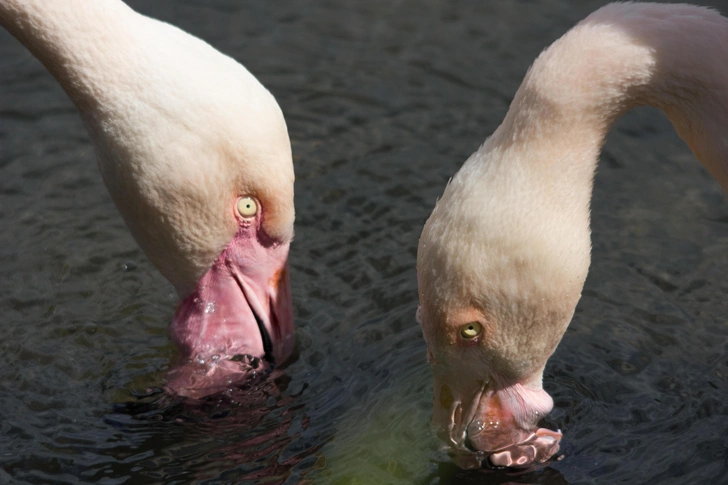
(471,330)
(247,207)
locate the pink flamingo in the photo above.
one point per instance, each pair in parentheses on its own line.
(503,258)
(196,156)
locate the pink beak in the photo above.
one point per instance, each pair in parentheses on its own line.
(238,321)
(491,423)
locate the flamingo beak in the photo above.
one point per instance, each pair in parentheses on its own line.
(239,320)
(483,423)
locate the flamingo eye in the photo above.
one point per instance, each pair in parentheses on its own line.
(247,207)
(471,330)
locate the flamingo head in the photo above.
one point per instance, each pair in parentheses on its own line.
(238,320)
(196,156)
(498,284)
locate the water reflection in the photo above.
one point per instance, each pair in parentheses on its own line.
(448,473)
(246,432)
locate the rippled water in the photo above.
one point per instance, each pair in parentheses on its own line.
(384,100)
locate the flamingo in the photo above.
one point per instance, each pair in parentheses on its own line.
(196,156)
(503,257)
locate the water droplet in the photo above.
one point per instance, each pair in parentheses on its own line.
(200,359)
(128,266)
(210,307)
(215,358)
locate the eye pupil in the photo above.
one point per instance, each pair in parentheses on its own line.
(247,207)
(471,330)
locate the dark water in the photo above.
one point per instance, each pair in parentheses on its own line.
(384,100)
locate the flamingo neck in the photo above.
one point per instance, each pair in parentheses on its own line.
(622,56)
(72,39)
(510,235)
(535,173)
(180,130)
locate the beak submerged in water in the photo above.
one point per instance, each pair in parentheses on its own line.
(238,321)
(488,423)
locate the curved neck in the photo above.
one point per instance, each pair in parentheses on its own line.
(72,38)
(510,235)
(180,130)
(673,57)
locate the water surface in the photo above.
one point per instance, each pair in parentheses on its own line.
(384,101)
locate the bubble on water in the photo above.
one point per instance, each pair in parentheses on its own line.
(210,307)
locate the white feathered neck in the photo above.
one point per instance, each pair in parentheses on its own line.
(180,129)
(510,236)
